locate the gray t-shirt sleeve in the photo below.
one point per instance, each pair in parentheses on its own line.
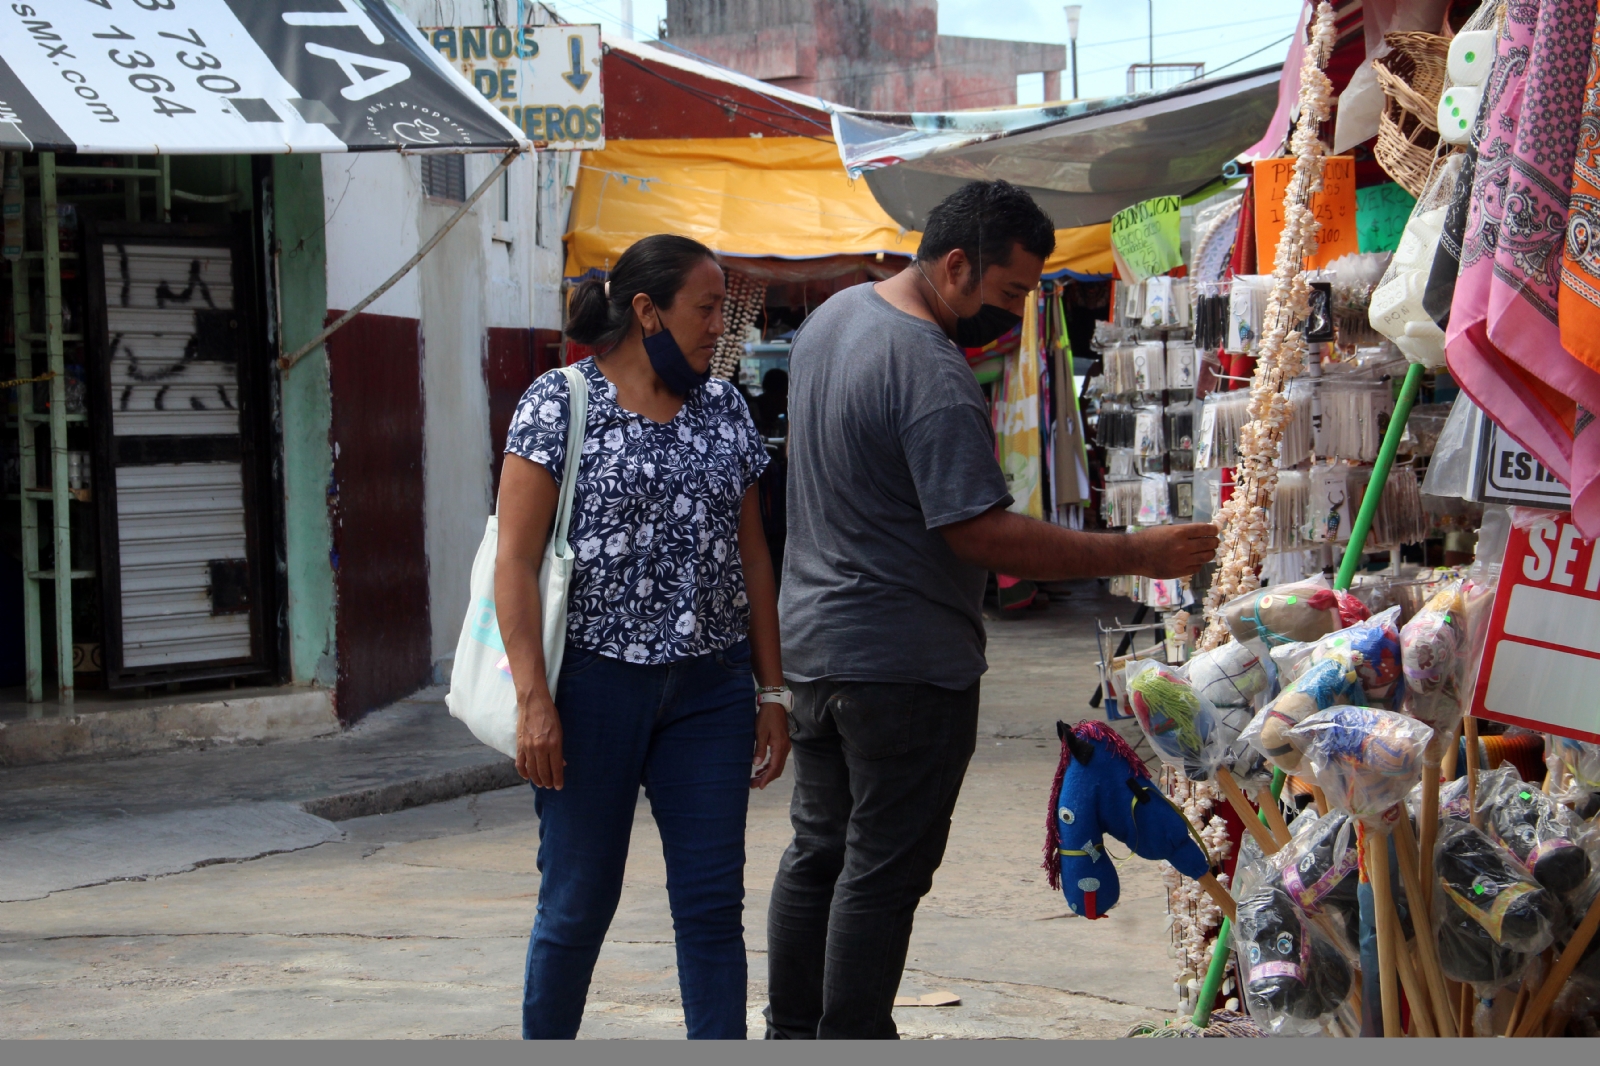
(950,452)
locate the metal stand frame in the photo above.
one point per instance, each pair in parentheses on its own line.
(54,339)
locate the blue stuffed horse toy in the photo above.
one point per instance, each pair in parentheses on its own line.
(1102,787)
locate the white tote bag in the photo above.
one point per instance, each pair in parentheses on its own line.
(481,692)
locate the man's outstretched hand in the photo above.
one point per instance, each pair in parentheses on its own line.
(1173,551)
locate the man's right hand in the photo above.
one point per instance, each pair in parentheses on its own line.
(1173,551)
(539,742)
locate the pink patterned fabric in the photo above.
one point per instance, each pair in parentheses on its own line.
(1533,226)
(1503,343)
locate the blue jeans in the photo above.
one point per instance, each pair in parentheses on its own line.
(686,732)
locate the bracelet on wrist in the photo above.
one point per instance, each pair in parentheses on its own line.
(779,694)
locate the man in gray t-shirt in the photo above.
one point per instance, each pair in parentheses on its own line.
(889,440)
(897,512)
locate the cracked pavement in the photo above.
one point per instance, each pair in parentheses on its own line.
(414,924)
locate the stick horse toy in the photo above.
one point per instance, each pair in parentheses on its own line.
(1102,787)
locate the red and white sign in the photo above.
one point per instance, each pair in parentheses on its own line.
(1541,662)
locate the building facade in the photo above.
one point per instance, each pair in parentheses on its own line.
(873,55)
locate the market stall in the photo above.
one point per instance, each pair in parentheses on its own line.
(1375,712)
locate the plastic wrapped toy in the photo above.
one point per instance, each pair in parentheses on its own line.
(1102,788)
(1317,868)
(1230,676)
(1371,648)
(1538,832)
(1293,976)
(1365,759)
(1579,761)
(1432,646)
(1183,726)
(1301,611)
(1452,801)
(1324,684)
(1491,916)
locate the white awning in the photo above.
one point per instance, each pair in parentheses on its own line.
(232,77)
(1083,161)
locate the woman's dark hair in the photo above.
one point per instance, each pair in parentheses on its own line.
(987,219)
(657,266)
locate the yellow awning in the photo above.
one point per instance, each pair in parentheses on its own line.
(786,197)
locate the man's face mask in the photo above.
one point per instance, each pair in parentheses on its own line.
(974,331)
(990,323)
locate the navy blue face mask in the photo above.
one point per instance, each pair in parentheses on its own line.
(671,365)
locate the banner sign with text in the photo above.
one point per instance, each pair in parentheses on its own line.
(1335,207)
(1146,238)
(219,77)
(1541,661)
(544,79)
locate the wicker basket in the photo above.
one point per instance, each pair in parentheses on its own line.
(1411,76)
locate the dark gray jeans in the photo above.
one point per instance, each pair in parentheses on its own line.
(877,769)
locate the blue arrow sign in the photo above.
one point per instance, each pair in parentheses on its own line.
(577,77)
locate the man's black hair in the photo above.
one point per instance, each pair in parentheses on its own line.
(986,220)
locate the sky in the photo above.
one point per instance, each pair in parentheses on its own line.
(1111,35)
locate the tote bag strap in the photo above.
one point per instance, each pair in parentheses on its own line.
(577,416)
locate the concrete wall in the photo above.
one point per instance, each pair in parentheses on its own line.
(489,271)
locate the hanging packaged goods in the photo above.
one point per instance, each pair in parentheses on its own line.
(545,79)
(215,76)
(1408,699)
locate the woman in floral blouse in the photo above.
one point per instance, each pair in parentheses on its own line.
(671,618)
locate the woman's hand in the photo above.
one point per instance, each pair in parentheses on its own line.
(772,743)
(539,742)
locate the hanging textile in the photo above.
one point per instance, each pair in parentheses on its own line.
(1071,453)
(1047,407)
(1017,418)
(1503,343)
(1580,272)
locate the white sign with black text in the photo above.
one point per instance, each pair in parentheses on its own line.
(1503,471)
(230,76)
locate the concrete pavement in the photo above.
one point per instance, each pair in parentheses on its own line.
(414,923)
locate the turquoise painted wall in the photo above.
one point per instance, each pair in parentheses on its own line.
(307,410)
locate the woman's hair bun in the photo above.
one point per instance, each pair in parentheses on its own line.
(658,266)
(588,311)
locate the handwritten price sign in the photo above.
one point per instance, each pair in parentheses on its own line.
(1145,237)
(1334,207)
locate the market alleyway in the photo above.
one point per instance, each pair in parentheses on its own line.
(414,923)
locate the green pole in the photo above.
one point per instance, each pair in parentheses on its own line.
(55,350)
(1219,953)
(1380,477)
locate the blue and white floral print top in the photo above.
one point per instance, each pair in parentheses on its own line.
(655,516)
